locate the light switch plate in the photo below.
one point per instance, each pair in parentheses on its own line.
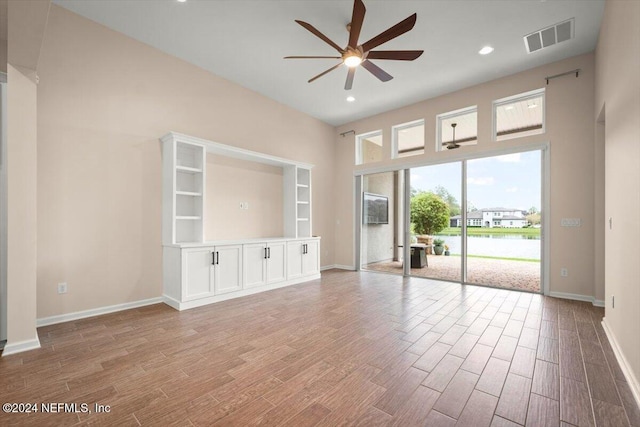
(570,222)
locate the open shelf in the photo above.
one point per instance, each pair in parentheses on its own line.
(183,191)
(188,169)
(185,195)
(188,193)
(189,156)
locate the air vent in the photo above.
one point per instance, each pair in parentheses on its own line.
(549,36)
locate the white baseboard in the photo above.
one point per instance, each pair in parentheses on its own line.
(19,347)
(338,267)
(633,382)
(578,297)
(52,320)
(172,302)
(345,267)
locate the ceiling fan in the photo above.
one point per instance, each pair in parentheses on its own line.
(361,54)
(452,145)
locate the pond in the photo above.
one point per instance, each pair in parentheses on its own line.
(507,246)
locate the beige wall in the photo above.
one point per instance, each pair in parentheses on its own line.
(618,94)
(569,106)
(378,239)
(232,181)
(21,208)
(25,26)
(103,102)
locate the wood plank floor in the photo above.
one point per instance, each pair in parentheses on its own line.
(361,349)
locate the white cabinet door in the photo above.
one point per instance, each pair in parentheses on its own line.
(310,259)
(197,277)
(294,259)
(276,262)
(254,265)
(228,269)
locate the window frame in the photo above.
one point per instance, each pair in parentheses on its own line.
(395,130)
(449,115)
(358,145)
(536,93)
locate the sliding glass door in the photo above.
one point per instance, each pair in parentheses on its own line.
(435,212)
(504,201)
(382,222)
(476,221)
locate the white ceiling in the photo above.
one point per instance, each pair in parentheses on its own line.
(245,40)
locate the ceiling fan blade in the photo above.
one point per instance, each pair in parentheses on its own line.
(377,71)
(349,83)
(398,55)
(324,72)
(312,57)
(393,32)
(357,18)
(318,34)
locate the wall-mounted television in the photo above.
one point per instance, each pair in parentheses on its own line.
(375,209)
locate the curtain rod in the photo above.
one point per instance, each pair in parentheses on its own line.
(343,134)
(576,71)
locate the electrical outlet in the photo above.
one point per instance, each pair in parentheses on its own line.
(62,288)
(564,272)
(246,206)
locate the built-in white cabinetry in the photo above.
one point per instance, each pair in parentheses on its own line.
(210,270)
(297,201)
(264,263)
(182,191)
(198,271)
(303,258)
(199,274)
(227,269)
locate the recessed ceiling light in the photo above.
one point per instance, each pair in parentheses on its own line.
(533,105)
(350,99)
(508,107)
(485,50)
(182,1)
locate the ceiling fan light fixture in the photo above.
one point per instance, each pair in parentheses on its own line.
(352,61)
(356,53)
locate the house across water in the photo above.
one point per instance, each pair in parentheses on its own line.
(492,217)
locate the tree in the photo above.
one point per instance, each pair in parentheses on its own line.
(449,199)
(429,213)
(532,210)
(533,218)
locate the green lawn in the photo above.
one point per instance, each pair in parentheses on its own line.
(480,231)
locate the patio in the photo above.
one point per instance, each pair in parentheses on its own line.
(503,273)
